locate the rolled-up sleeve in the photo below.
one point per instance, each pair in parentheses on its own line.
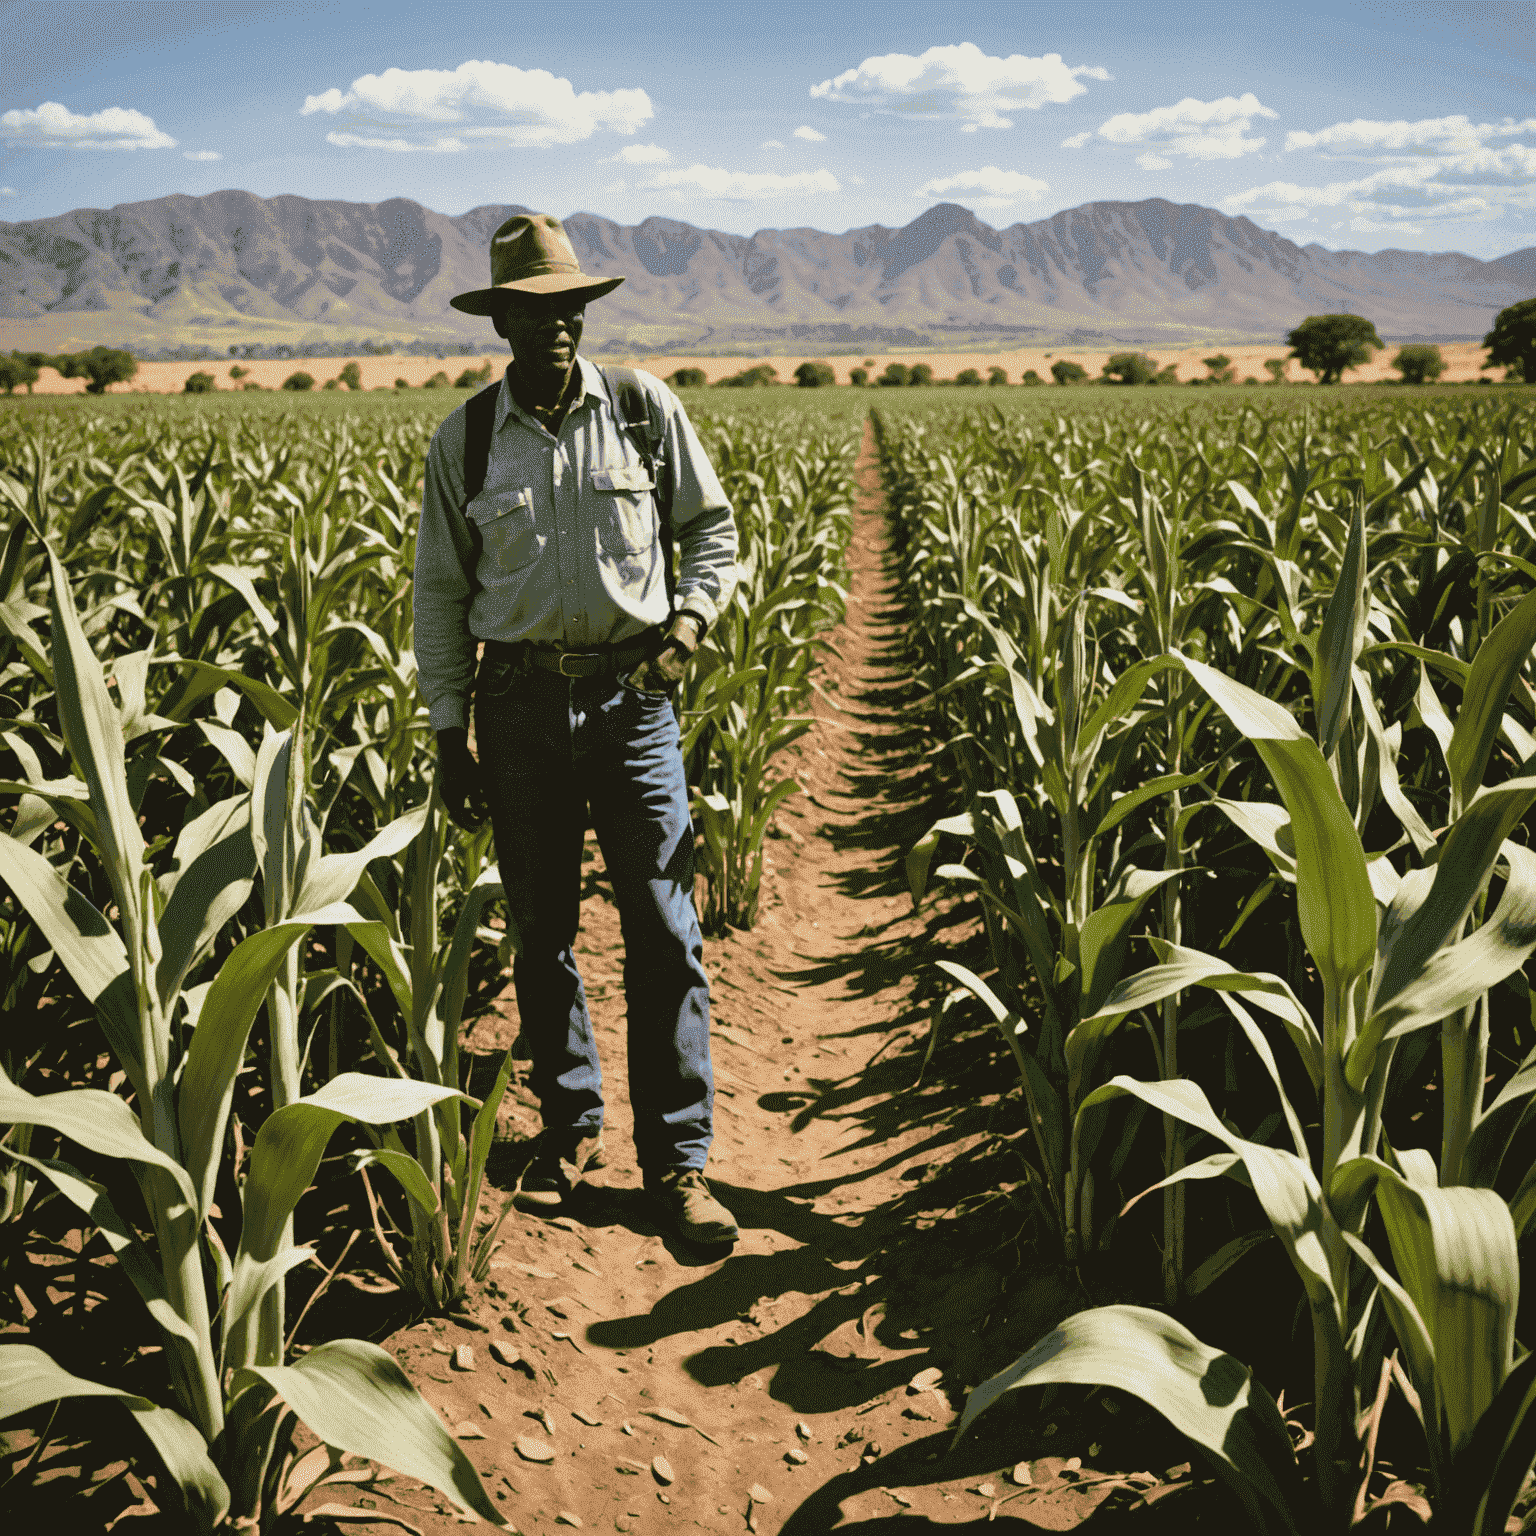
(703,522)
(443,587)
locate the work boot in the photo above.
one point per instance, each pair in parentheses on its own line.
(559,1160)
(684,1200)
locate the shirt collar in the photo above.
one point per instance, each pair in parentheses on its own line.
(591,384)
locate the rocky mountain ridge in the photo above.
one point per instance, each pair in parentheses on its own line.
(232,267)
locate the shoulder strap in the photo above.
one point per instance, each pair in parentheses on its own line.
(649,436)
(479,423)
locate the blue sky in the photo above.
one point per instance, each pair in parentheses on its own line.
(1365,125)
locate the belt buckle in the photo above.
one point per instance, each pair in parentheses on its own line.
(573,656)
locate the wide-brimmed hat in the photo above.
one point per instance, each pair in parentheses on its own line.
(531,253)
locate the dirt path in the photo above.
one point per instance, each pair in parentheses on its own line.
(791,1358)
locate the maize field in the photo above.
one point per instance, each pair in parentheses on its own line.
(238,935)
(1232,740)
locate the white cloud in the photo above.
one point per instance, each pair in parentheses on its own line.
(640,154)
(961,82)
(9,192)
(740,186)
(1196,130)
(810,135)
(771,144)
(987,188)
(1476,186)
(52,126)
(538,109)
(201,155)
(1366,136)
(439,146)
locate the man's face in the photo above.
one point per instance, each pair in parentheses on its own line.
(544,333)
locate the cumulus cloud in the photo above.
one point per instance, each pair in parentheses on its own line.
(640,154)
(201,155)
(740,186)
(52,126)
(439,146)
(9,192)
(1366,136)
(959,82)
(1195,130)
(810,135)
(521,108)
(772,144)
(1477,185)
(987,188)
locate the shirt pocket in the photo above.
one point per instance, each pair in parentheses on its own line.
(507,530)
(626,508)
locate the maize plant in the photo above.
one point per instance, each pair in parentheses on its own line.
(228,1443)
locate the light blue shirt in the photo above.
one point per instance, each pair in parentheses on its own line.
(562,545)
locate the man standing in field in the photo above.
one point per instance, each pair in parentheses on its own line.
(546,533)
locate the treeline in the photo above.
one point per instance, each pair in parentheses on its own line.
(99,367)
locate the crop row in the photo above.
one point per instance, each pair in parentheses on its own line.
(1248,695)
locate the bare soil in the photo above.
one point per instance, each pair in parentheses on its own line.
(880,1220)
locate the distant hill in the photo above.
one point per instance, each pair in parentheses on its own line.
(233,267)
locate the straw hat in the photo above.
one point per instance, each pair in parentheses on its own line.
(531,253)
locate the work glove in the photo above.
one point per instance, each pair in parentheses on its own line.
(662,672)
(460,780)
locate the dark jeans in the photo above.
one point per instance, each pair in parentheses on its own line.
(555,751)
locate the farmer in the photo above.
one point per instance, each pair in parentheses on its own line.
(547,520)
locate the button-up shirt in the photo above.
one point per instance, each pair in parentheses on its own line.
(562,545)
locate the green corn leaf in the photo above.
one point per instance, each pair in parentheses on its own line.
(406,1172)
(1334,899)
(1106,933)
(1123,805)
(29,1378)
(292,1140)
(215,862)
(85,941)
(1466,860)
(202,678)
(1458,974)
(1207,1273)
(354,1396)
(1266,824)
(217,1047)
(1489,1476)
(1456,1254)
(1493,673)
(94,731)
(1342,634)
(95,1119)
(250,1280)
(1206,1395)
(331,877)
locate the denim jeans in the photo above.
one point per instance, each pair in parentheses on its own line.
(555,751)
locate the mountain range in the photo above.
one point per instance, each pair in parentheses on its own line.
(232,267)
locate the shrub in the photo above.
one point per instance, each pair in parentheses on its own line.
(199,384)
(968,377)
(1068,373)
(1512,341)
(1168,375)
(237,372)
(439,380)
(100,367)
(251,384)
(1275,367)
(921,374)
(1031,378)
(1219,369)
(15,370)
(896,374)
(815,375)
(687,378)
(1419,363)
(299,381)
(1130,368)
(997,375)
(351,375)
(1328,344)
(858,377)
(751,378)
(472,376)
(402,384)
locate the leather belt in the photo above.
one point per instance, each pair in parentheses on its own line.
(608,661)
